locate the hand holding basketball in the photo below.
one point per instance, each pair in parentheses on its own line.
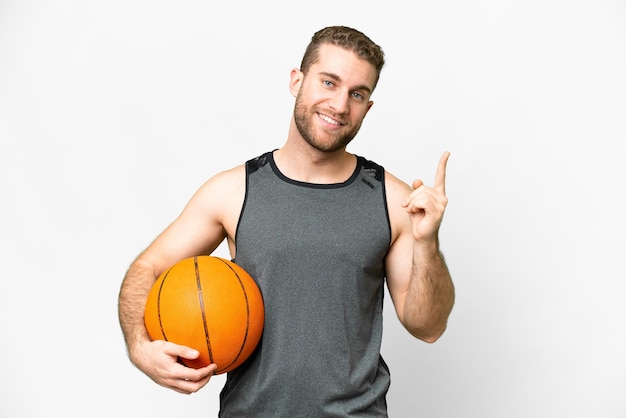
(159,360)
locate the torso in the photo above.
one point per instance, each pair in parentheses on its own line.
(317,252)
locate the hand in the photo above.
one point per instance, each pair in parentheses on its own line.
(426,205)
(159,360)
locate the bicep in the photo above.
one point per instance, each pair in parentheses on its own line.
(398,270)
(399,259)
(202,225)
(189,235)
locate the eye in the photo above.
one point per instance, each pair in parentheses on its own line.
(328,83)
(358,96)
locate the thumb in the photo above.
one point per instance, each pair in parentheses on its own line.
(189,353)
(417,183)
(184,351)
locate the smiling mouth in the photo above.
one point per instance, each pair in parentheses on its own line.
(329,120)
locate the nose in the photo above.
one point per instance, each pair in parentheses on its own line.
(339,102)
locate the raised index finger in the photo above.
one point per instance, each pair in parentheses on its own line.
(440,176)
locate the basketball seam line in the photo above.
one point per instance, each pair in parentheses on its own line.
(245,295)
(201,300)
(159,305)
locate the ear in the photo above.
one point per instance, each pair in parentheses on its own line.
(369,106)
(295,81)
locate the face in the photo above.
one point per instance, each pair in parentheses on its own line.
(333,98)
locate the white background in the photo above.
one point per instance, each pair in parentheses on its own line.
(112,113)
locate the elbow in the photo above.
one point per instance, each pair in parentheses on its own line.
(433,337)
(427,325)
(429,335)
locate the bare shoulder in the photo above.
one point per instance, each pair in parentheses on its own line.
(230,181)
(396,191)
(395,186)
(223,193)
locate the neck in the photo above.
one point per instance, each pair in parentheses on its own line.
(300,161)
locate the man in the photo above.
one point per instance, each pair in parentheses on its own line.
(319,229)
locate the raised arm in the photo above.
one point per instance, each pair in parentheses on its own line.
(417,276)
(209,217)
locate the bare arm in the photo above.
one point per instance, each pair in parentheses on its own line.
(208,218)
(417,276)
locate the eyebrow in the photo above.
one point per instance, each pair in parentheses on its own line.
(336,77)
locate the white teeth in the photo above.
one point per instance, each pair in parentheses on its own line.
(329,120)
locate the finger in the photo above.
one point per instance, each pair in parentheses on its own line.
(440,176)
(182,351)
(417,183)
(187,386)
(198,375)
(195,379)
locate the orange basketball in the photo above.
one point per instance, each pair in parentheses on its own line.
(210,304)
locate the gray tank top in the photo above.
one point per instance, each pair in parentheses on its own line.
(317,253)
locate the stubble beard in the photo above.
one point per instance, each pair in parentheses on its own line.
(304,123)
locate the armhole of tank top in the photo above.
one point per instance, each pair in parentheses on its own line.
(250,166)
(385,202)
(379,175)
